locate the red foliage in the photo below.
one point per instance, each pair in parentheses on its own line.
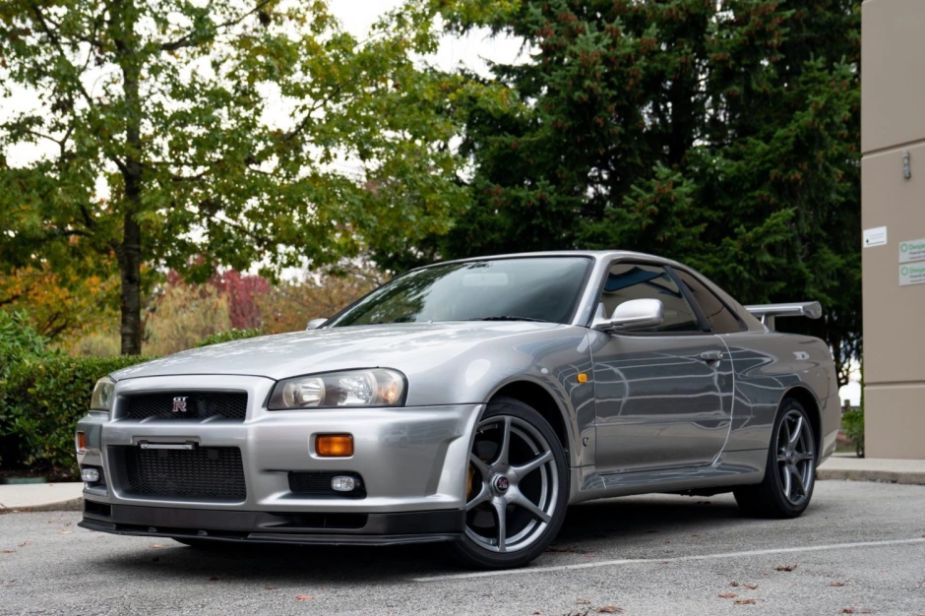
(242,292)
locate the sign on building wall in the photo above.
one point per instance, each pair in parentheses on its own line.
(875,236)
(911,251)
(911,273)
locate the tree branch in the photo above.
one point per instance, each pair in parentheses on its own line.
(56,43)
(190,38)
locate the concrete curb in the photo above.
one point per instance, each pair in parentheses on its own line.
(883,476)
(74,504)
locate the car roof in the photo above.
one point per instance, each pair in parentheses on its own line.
(593,254)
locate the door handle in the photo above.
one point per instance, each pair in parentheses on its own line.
(711,356)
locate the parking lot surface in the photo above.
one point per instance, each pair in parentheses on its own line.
(859,549)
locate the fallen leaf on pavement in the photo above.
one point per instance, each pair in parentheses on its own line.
(785,567)
(580,601)
(727,595)
(303,597)
(733,583)
(609,609)
(837,584)
(751,586)
(9,551)
(745,602)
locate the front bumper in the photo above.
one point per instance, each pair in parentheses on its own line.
(262,527)
(411,460)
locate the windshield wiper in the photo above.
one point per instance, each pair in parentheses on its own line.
(508,317)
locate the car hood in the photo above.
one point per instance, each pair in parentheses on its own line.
(409,347)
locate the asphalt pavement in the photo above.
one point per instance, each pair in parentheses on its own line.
(859,549)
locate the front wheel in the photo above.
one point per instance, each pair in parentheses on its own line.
(516,489)
(790,472)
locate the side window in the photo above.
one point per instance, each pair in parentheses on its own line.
(721,319)
(627,281)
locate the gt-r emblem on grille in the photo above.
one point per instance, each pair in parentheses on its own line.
(179,404)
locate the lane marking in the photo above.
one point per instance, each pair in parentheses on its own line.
(670,559)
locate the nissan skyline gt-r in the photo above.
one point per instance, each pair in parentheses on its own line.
(471,402)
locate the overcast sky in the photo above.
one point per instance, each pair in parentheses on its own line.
(469,50)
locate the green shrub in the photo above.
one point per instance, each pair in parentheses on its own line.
(853,425)
(18,341)
(42,399)
(228,335)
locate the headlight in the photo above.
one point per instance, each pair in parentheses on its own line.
(373,387)
(101,400)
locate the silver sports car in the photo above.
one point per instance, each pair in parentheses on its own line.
(469,401)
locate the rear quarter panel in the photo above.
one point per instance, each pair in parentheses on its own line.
(770,365)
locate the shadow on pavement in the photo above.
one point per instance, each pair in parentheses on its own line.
(588,526)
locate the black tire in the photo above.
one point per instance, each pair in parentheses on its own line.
(790,470)
(528,528)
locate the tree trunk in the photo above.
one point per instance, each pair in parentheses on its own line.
(130,250)
(130,266)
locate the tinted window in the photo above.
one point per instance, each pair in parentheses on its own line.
(721,319)
(541,289)
(627,281)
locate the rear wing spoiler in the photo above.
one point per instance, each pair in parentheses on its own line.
(768,312)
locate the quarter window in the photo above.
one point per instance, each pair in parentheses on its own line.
(626,281)
(721,319)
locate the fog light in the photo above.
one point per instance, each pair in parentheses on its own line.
(80,441)
(334,445)
(343,483)
(89,475)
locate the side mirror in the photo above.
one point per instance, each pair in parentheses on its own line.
(316,323)
(633,315)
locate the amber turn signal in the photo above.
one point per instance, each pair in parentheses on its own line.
(334,445)
(80,440)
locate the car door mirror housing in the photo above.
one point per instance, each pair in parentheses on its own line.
(316,323)
(633,315)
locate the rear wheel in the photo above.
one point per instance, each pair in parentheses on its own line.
(517,487)
(790,472)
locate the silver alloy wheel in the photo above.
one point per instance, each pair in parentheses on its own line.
(519,485)
(795,457)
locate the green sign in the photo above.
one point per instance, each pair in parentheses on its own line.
(911,251)
(912,273)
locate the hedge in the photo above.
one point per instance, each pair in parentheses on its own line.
(41,399)
(43,393)
(229,335)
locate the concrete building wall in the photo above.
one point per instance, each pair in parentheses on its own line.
(893,147)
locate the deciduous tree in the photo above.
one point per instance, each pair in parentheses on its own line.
(186,134)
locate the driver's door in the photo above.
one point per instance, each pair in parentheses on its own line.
(663,396)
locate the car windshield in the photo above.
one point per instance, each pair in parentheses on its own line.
(527,289)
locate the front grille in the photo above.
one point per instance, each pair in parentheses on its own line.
(203,473)
(184,406)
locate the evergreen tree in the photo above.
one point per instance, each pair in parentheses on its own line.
(724,134)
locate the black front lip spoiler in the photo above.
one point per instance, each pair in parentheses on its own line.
(276,528)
